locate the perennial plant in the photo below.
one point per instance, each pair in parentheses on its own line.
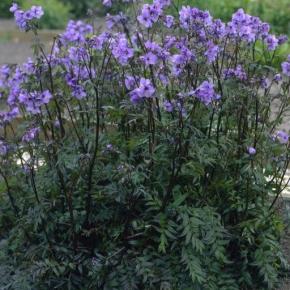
(148,156)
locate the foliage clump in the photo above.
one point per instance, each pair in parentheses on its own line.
(145,157)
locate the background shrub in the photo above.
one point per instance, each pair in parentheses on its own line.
(4,8)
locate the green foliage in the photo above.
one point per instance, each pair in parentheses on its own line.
(4,8)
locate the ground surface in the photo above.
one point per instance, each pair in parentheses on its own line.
(15,47)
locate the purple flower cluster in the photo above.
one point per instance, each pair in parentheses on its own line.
(34,100)
(238,73)
(30,135)
(286,67)
(282,137)
(168,68)
(194,19)
(3,148)
(206,93)
(121,50)
(150,14)
(76,31)
(247,27)
(8,116)
(168,106)
(149,58)
(24,18)
(143,91)
(211,52)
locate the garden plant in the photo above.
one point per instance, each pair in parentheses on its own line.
(148,156)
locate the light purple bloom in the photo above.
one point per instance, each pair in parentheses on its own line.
(76,31)
(98,42)
(272,42)
(114,20)
(107,3)
(265,83)
(169,21)
(282,39)
(130,82)
(149,14)
(205,93)
(30,135)
(178,62)
(282,137)
(168,106)
(211,52)
(3,148)
(13,8)
(277,78)
(145,90)
(24,18)
(251,150)
(121,50)
(238,73)
(149,58)
(162,3)
(286,68)
(34,100)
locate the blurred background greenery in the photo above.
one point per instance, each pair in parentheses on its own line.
(276,12)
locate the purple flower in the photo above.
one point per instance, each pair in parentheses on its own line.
(238,73)
(3,148)
(178,62)
(130,82)
(168,106)
(162,3)
(163,79)
(212,52)
(282,39)
(272,42)
(251,150)
(114,20)
(205,93)
(78,92)
(286,68)
(282,137)
(107,3)
(149,14)
(109,148)
(149,58)
(30,135)
(121,50)
(145,90)
(76,31)
(97,42)
(13,8)
(34,100)
(24,18)
(194,19)
(248,28)
(36,11)
(277,78)
(169,21)
(265,83)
